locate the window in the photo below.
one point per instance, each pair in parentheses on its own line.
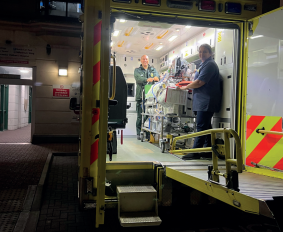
(16,72)
(69,9)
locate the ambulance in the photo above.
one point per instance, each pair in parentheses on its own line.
(247,47)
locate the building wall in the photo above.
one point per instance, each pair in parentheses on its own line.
(50,116)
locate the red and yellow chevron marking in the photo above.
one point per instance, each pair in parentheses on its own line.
(264,149)
(95,93)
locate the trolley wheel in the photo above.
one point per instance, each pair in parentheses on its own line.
(162,147)
(141,138)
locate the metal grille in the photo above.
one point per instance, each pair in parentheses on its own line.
(8,221)
(253,185)
(135,189)
(140,219)
(11,206)
(12,194)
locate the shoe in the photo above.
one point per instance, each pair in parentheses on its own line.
(206,155)
(191,156)
(138,137)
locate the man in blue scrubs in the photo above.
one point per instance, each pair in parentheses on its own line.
(206,98)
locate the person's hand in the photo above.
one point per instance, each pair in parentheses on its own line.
(149,79)
(183,87)
(156,79)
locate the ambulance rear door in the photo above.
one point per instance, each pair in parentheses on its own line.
(264,92)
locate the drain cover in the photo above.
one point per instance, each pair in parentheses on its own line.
(8,221)
(11,206)
(12,194)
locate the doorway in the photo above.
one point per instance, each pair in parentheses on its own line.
(16,106)
(4,96)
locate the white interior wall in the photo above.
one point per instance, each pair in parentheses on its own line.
(17,115)
(13,107)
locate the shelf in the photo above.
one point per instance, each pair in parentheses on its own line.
(146,129)
(160,115)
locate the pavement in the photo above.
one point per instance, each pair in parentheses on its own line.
(38,192)
(21,167)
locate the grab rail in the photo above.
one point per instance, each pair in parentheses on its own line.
(263,131)
(114,78)
(228,133)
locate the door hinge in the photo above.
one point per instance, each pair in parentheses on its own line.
(251,24)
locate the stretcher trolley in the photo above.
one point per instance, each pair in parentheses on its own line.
(167,113)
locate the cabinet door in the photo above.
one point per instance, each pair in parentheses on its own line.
(224,48)
(131,125)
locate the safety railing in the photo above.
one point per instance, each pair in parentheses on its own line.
(228,133)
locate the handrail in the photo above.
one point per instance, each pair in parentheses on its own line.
(114,78)
(228,133)
(263,131)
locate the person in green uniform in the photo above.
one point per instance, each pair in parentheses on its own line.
(143,74)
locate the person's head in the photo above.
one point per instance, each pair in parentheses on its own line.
(205,52)
(144,61)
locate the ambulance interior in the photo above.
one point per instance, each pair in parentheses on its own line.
(164,44)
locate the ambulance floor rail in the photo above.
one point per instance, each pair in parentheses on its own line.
(231,176)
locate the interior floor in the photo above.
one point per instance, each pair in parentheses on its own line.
(21,135)
(135,150)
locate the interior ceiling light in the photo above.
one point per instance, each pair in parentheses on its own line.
(111,44)
(120,44)
(24,71)
(188,26)
(256,36)
(172,38)
(158,48)
(177,29)
(128,31)
(116,33)
(148,46)
(161,35)
(122,20)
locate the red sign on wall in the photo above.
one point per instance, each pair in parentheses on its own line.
(61,92)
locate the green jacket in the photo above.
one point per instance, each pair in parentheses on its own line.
(141,76)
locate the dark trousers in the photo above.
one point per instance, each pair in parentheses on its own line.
(139,117)
(203,123)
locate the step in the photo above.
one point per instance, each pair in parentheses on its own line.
(139,219)
(137,206)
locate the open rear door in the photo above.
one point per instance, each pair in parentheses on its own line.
(265,90)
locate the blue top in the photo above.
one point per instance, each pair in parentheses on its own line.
(208,96)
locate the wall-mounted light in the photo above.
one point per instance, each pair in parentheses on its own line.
(63,68)
(63,72)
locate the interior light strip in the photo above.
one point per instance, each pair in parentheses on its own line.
(120,44)
(149,46)
(162,35)
(129,31)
